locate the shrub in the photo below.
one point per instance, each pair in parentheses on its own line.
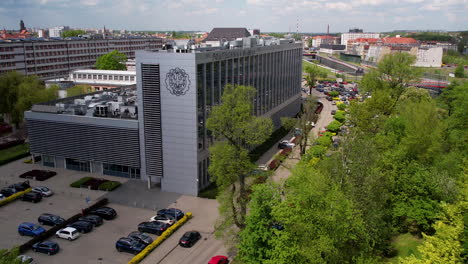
(334,126)
(13,197)
(341,107)
(334,93)
(460,71)
(324,141)
(38,175)
(109,186)
(317,151)
(13,153)
(78,183)
(340,116)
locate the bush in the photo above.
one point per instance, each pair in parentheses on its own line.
(94,183)
(209,192)
(38,175)
(317,151)
(80,182)
(340,116)
(109,186)
(324,141)
(334,126)
(13,153)
(334,94)
(460,71)
(13,197)
(341,107)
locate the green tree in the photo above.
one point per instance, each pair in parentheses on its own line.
(113,60)
(340,116)
(460,71)
(334,126)
(234,125)
(78,90)
(72,33)
(334,93)
(313,72)
(19,93)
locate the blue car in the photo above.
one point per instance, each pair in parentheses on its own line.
(130,245)
(30,229)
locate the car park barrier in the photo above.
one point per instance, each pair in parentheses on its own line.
(166,234)
(14,197)
(51,232)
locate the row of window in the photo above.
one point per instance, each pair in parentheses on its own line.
(103,77)
(6,57)
(7,64)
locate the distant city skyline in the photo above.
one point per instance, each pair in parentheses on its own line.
(266,15)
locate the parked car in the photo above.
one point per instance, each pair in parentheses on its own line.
(129,245)
(50,219)
(21,186)
(7,192)
(105,212)
(156,228)
(189,239)
(43,190)
(25,259)
(277,226)
(31,197)
(167,219)
(174,212)
(68,233)
(285,144)
(333,111)
(30,229)
(82,226)
(2,197)
(140,236)
(219,260)
(47,247)
(96,220)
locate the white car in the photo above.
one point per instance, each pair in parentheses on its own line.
(290,144)
(43,190)
(310,123)
(69,233)
(163,219)
(2,197)
(263,167)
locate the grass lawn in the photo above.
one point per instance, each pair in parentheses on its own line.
(13,153)
(406,244)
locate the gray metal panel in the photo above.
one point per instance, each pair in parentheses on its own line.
(87,142)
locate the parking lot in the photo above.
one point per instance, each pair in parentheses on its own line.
(98,246)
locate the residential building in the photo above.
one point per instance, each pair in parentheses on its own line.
(51,59)
(157,132)
(332,49)
(353,34)
(56,32)
(318,40)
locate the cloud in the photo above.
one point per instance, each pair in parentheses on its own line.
(205,11)
(89,2)
(407,19)
(339,6)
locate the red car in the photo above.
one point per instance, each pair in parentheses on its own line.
(219,260)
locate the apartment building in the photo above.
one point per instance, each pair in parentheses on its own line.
(51,59)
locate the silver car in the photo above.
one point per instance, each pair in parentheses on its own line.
(43,190)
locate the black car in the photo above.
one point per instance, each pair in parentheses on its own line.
(178,214)
(156,228)
(82,226)
(8,191)
(142,237)
(32,197)
(96,220)
(105,212)
(129,245)
(189,238)
(48,247)
(50,219)
(21,186)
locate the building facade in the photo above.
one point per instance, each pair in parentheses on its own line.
(164,138)
(57,58)
(355,35)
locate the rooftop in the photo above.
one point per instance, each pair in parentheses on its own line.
(228,34)
(92,71)
(119,102)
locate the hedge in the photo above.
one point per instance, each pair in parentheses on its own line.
(166,234)
(14,153)
(109,186)
(78,183)
(13,197)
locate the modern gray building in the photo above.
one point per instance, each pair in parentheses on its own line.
(163,137)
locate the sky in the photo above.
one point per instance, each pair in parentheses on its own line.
(266,15)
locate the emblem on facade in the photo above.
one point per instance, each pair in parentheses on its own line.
(177,81)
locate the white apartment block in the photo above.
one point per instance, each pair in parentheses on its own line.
(56,32)
(350,36)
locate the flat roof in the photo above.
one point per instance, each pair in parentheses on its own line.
(105,72)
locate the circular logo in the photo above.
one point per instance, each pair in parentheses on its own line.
(177,81)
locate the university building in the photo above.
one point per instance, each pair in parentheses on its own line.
(157,131)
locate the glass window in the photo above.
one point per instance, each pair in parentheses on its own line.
(48,161)
(200,105)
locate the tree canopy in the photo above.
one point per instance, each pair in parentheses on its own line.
(72,33)
(113,60)
(20,92)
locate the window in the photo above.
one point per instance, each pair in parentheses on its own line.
(121,171)
(121,77)
(73,164)
(127,78)
(48,161)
